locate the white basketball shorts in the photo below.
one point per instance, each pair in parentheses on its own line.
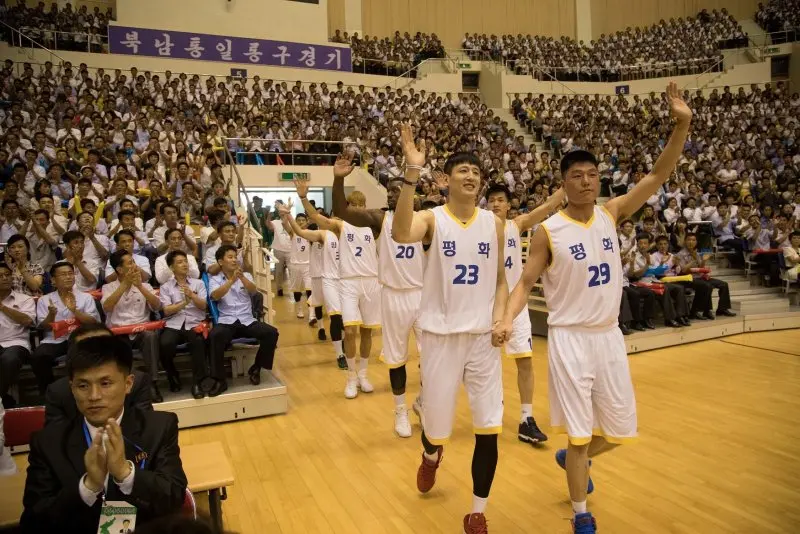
(399,311)
(317,297)
(448,360)
(331,293)
(590,392)
(299,277)
(520,345)
(361,301)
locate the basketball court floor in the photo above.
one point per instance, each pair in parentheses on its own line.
(719,449)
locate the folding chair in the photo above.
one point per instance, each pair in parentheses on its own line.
(20,424)
(189,507)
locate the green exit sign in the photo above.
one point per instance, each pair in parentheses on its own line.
(772,50)
(464,65)
(291,176)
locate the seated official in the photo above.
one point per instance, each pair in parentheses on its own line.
(59,404)
(228,235)
(167,222)
(127,221)
(17,314)
(183,300)
(122,454)
(129,301)
(232,289)
(86,273)
(124,240)
(690,258)
(673,300)
(66,302)
(175,241)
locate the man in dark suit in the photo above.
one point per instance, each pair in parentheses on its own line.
(123,454)
(59,404)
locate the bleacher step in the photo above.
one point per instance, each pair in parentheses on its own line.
(761,305)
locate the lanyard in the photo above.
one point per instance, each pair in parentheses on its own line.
(88,437)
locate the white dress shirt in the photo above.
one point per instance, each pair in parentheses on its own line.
(83,302)
(131,308)
(191,315)
(88,496)
(164,273)
(13,334)
(158,237)
(140,261)
(236,304)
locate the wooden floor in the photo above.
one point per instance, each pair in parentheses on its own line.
(719,450)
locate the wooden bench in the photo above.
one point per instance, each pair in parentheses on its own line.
(206,466)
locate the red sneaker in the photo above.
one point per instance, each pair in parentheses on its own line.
(475,524)
(426,474)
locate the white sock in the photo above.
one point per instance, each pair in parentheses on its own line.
(478,504)
(351,365)
(337,345)
(527,411)
(432,457)
(399,400)
(363,364)
(579,507)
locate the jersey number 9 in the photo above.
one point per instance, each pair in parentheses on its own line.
(467,274)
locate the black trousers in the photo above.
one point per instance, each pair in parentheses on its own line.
(222,334)
(147,342)
(673,301)
(42,360)
(11,359)
(641,303)
(171,338)
(702,295)
(724,293)
(737,259)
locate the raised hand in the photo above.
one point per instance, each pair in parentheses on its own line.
(441,179)
(116,463)
(677,106)
(343,165)
(414,154)
(95,463)
(285,210)
(302,186)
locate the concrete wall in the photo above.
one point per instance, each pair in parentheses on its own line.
(264,19)
(794,68)
(320,176)
(737,75)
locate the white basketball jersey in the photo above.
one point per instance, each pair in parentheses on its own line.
(315,264)
(300,250)
(513,252)
(460,275)
(359,254)
(330,256)
(282,241)
(400,266)
(583,284)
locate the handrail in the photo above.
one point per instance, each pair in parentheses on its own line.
(33,41)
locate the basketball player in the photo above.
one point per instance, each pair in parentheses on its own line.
(359,290)
(299,275)
(520,345)
(577,254)
(465,294)
(400,271)
(325,263)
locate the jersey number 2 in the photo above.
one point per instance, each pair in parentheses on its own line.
(601,274)
(358,252)
(467,274)
(406,252)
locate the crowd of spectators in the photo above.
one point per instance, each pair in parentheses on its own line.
(780,16)
(678,46)
(60,29)
(101,192)
(390,56)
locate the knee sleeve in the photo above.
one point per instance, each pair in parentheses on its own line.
(337,327)
(318,312)
(397,378)
(298,296)
(308,293)
(484,464)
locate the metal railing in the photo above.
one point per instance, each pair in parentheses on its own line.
(381,67)
(613,74)
(32,44)
(237,150)
(66,41)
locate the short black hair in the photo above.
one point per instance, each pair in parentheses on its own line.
(460,158)
(59,264)
(174,254)
(116,258)
(796,233)
(99,350)
(123,232)
(498,188)
(301,214)
(170,232)
(664,238)
(71,236)
(4,265)
(87,328)
(19,237)
(222,250)
(123,213)
(166,205)
(9,201)
(642,235)
(576,156)
(223,224)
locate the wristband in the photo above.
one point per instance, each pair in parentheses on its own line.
(301,198)
(412,184)
(415,167)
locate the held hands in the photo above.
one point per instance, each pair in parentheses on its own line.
(679,109)
(501,331)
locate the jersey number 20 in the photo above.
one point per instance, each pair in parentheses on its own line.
(467,274)
(406,252)
(601,274)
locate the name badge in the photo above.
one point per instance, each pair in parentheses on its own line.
(117,517)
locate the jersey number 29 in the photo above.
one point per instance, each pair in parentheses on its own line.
(601,274)
(467,274)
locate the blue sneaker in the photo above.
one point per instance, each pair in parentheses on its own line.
(561,460)
(584,524)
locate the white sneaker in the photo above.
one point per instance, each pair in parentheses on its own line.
(402,427)
(363,382)
(299,308)
(351,388)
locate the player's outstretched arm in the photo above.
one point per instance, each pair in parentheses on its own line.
(501,287)
(407,226)
(356,216)
(538,257)
(323,222)
(627,204)
(529,220)
(294,228)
